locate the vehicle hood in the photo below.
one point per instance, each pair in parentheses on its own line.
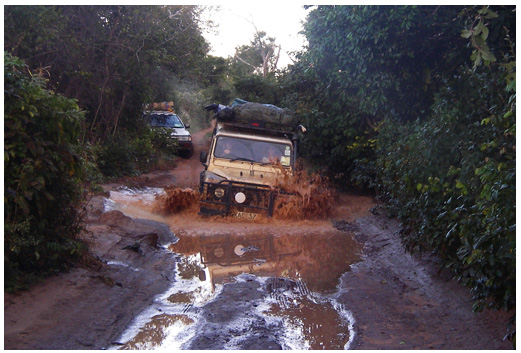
(247,172)
(180,131)
(177,131)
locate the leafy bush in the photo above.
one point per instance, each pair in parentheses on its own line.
(125,154)
(451,179)
(390,102)
(43,175)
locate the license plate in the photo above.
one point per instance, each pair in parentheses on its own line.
(245,215)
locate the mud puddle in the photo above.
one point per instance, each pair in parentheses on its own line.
(243,285)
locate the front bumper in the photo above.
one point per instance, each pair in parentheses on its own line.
(220,198)
(184,145)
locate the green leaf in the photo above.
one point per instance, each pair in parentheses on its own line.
(487,55)
(478,29)
(484,34)
(491,14)
(466,33)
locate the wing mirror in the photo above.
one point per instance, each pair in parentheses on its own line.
(203,157)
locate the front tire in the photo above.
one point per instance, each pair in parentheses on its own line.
(187,154)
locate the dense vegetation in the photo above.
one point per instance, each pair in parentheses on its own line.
(105,62)
(414,102)
(418,103)
(112,59)
(42,175)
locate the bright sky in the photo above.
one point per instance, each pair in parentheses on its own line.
(236,23)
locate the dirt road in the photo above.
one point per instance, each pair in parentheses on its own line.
(183,281)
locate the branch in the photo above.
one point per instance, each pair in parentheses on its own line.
(278,56)
(244,61)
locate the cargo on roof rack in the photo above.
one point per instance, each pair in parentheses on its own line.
(166,106)
(255,115)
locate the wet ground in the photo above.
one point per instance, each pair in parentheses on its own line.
(177,280)
(265,285)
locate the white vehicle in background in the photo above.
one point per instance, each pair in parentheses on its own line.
(171,125)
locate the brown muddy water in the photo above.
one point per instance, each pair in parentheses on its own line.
(271,284)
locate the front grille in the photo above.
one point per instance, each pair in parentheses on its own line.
(258,197)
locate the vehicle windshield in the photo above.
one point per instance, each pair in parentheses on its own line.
(253,151)
(165,120)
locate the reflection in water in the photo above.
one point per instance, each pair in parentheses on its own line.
(298,276)
(305,267)
(154,332)
(318,321)
(317,259)
(170,321)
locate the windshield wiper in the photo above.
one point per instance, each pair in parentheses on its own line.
(242,159)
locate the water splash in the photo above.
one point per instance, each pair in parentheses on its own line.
(175,200)
(309,196)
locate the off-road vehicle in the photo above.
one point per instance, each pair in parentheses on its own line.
(250,150)
(173,127)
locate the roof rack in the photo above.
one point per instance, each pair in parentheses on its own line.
(256,125)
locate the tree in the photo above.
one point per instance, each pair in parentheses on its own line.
(418,102)
(110,58)
(371,64)
(215,76)
(43,175)
(260,57)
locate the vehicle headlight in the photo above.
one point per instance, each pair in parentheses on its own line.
(219,192)
(240,197)
(185,138)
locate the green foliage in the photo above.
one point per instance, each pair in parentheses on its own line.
(381,60)
(214,76)
(127,155)
(43,175)
(451,180)
(391,101)
(112,58)
(254,88)
(366,64)
(478,34)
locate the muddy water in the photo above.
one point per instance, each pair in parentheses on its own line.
(243,285)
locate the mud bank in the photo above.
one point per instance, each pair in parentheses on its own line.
(89,307)
(400,301)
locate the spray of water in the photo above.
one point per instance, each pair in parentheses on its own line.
(305,196)
(308,196)
(176,200)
